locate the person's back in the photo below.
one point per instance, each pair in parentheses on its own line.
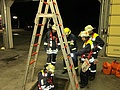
(98,45)
(97,41)
(51,45)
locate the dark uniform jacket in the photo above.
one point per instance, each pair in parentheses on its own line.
(97,41)
(85,52)
(72,42)
(51,41)
(45,81)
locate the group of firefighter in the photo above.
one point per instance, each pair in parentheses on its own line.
(92,44)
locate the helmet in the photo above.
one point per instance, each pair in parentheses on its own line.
(50,68)
(88,28)
(84,34)
(67,31)
(54,27)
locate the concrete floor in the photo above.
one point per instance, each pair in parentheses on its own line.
(13,66)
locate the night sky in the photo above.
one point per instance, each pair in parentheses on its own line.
(76,14)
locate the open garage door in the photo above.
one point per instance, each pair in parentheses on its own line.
(113,38)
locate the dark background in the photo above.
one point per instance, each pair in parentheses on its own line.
(75,14)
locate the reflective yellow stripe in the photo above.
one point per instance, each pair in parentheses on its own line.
(74,49)
(65,67)
(45,43)
(95,35)
(76,67)
(71,43)
(89,42)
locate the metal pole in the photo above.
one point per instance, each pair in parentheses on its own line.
(4,25)
(9,29)
(103,23)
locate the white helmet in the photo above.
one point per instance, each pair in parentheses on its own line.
(50,68)
(54,27)
(88,28)
(84,34)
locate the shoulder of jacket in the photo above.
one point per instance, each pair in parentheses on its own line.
(95,34)
(90,42)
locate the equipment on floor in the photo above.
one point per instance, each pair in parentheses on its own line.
(48,9)
(111,68)
(106,68)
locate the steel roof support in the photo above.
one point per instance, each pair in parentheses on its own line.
(6,22)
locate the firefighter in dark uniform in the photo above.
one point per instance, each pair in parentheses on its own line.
(84,53)
(98,45)
(45,78)
(51,45)
(71,39)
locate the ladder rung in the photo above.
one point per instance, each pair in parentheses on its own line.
(35,44)
(45,15)
(38,34)
(40,24)
(65,46)
(60,24)
(34,53)
(45,3)
(32,62)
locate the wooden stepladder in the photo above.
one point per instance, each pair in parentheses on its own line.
(51,10)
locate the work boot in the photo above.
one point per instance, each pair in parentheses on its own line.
(65,71)
(83,85)
(91,78)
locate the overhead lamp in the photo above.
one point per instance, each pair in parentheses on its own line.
(15,17)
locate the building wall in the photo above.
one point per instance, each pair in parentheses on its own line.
(113,38)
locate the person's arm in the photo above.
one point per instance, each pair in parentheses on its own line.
(84,50)
(100,43)
(73,43)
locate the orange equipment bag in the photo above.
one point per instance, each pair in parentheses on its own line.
(114,65)
(106,68)
(117,73)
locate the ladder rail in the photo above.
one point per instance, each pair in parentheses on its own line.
(58,12)
(39,39)
(31,46)
(63,50)
(68,50)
